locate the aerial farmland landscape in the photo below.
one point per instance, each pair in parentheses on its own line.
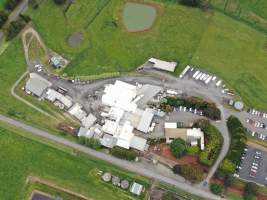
(133,99)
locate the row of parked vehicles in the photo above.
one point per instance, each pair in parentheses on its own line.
(255,164)
(255,123)
(192,110)
(257,113)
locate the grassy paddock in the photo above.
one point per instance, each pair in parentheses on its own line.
(236,53)
(22,157)
(107,47)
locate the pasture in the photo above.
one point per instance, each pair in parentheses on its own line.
(23,157)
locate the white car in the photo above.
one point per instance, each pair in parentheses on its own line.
(258,152)
(254,167)
(236,175)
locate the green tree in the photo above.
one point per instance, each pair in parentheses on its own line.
(250,191)
(60,2)
(178,147)
(11,4)
(168,196)
(228,180)
(227,166)
(127,154)
(216,188)
(93,143)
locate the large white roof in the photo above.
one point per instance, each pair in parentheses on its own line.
(121,95)
(138,143)
(77,111)
(163,65)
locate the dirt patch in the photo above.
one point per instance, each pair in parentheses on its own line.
(75,39)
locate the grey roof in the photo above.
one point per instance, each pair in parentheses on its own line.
(88,121)
(136,188)
(84,132)
(145,121)
(139,143)
(108,141)
(37,84)
(149,91)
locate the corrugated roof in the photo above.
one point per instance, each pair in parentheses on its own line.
(145,121)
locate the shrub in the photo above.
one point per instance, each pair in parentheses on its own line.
(193,174)
(168,196)
(127,154)
(176,169)
(212,149)
(216,188)
(11,4)
(93,143)
(90,142)
(192,150)
(16,26)
(60,2)
(178,147)
(3,18)
(228,180)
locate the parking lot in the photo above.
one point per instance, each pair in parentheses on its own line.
(253,166)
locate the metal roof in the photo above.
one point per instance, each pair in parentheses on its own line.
(145,121)
(37,84)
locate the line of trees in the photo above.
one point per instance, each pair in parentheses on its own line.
(16,26)
(209,109)
(90,142)
(238,142)
(127,154)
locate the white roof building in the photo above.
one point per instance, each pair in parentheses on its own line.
(163,65)
(120,95)
(139,143)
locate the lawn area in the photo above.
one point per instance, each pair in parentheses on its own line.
(236,53)
(22,157)
(2,4)
(252,12)
(106,46)
(233,196)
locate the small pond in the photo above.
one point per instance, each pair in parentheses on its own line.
(138,16)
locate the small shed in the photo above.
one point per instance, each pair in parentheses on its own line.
(136,188)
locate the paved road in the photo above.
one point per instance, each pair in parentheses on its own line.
(134,167)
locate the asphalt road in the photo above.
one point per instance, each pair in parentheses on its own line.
(134,167)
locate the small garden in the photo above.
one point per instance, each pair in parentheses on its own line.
(206,158)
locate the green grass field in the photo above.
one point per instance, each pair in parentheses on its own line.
(21,157)
(106,46)
(236,53)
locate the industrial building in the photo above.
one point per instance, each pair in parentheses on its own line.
(162,65)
